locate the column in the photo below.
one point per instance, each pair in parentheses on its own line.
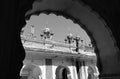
(83,71)
(49,74)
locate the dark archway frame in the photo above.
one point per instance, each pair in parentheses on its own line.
(75,20)
(12,52)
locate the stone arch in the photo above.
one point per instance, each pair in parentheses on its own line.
(12,61)
(30,70)
(60,70)
(102,57)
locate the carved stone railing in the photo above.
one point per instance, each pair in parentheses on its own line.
(53,44)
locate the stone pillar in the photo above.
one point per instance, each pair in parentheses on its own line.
(83,70)
(49,74)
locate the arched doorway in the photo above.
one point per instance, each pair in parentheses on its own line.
(19,55)
(95,26)
(62,72)
(30,71)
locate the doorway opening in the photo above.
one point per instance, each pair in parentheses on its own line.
(63,72)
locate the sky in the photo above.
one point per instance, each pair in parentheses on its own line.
(59,25)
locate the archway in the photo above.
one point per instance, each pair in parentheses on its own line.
(100,34)
(14,15)
(30,71)
(62,72)
(43,15)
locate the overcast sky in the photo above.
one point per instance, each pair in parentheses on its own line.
(58,25)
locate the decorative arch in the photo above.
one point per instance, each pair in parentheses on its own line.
(60,70)
(101,50)
(13,61)
(30,70)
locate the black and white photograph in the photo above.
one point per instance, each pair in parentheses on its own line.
(60,39)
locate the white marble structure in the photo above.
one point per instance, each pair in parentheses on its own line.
(55,60)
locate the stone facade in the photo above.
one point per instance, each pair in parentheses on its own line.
(58,62)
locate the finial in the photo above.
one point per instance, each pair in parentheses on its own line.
(69,38)
(47,34)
